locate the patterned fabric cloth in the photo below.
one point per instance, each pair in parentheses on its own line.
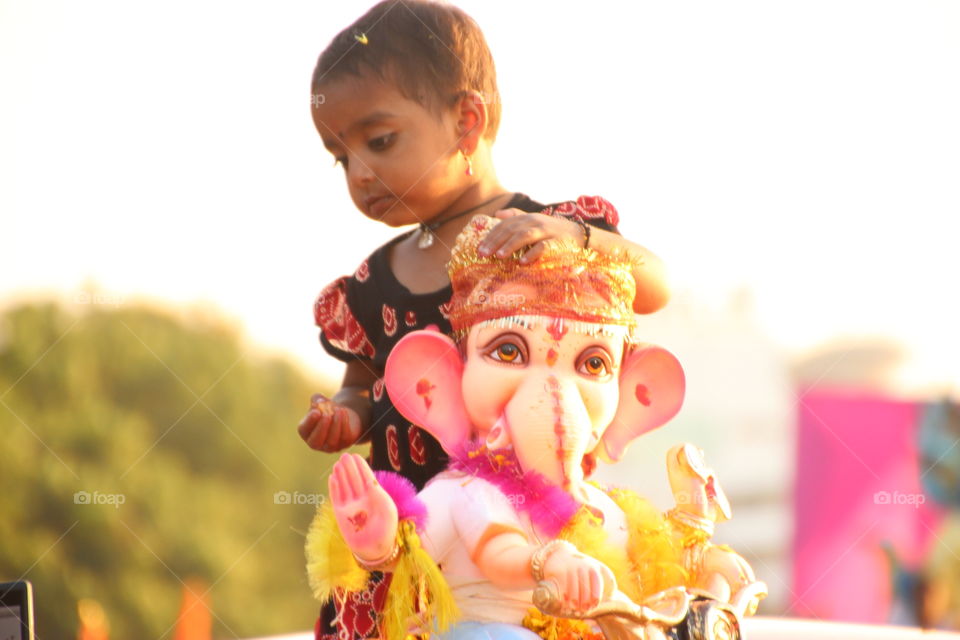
(361,317)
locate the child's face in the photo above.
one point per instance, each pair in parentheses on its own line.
(400,159)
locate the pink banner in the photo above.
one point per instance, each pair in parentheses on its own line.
(857,488)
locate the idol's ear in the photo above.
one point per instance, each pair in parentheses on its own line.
(652,385)
(423,379)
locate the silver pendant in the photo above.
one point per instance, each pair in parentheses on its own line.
(426,239)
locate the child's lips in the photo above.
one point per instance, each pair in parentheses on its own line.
(377,204)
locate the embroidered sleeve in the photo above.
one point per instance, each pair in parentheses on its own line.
(340,333)
(593,210)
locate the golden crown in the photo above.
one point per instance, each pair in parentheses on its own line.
(565,281)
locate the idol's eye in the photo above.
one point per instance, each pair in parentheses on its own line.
(381,143)
(595,362)
(508,348)
(507,352)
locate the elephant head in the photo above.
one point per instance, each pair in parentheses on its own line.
(545,363)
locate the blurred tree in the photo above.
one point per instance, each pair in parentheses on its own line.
(139,448)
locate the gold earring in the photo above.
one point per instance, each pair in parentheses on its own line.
(469,170)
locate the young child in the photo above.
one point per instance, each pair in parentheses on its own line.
(406,101)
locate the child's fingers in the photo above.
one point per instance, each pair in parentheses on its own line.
(499,235)
(351,428)
(518,239)
(307,425)
(318,434)
(509,213)
(332,436)
(533,253)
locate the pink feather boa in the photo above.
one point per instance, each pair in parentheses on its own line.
(404,495)
(548,506)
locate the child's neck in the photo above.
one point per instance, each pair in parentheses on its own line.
(424,270)
(490,195)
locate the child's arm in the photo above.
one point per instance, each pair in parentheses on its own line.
(337,423)
(520,229)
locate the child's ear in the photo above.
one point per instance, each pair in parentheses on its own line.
(471,113)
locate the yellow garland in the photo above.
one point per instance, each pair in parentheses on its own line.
(418,590)
(655,551)
(330,563)
(652,561)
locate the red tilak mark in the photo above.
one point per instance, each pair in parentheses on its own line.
(551,357)
(358,521)
(423,389)
(588,465)
(643,395)
(557,329)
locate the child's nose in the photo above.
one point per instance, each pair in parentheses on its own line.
(360,173)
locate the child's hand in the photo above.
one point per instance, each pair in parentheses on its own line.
(519,229)
(329,426)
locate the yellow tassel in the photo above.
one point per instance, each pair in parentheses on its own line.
(416,581)
(330,563)
(656,555)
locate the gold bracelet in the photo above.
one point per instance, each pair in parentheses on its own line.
(541,555)
(380,564)
(691,521)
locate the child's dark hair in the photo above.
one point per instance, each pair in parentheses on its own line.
(430,51)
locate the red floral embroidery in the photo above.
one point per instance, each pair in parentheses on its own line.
(389,320)
(333,316)
(418,450)
(358,618)
(586,208)
(362,272)
(378,390)
(410,319)
(597,207)
(393,447)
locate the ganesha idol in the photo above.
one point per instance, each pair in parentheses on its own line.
(512,540)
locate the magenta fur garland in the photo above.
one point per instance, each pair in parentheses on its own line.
(404,495)
(549,506)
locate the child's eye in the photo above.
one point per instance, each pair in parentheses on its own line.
(381,143)
(595,363)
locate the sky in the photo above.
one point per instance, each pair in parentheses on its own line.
(808,152)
